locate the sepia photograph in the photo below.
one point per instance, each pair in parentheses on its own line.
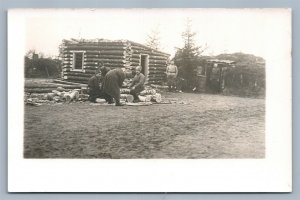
(165,85)
(150,84)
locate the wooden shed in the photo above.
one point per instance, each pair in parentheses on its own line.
(210,76)
(81,58)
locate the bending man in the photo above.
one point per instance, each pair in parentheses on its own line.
(94,87)
(113,82)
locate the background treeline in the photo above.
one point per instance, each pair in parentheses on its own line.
(247,78)
(36,67)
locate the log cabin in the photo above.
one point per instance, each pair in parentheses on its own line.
(81,58)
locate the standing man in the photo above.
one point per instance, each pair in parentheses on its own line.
(113,82)
(172,73)
(137,84)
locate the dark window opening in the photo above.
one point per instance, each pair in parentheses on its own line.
(78,57)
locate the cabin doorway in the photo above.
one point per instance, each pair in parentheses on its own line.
(144,62)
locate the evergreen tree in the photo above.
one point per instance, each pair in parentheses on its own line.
(187,58)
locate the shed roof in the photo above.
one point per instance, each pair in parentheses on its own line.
(221,61)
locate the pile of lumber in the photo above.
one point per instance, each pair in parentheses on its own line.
(55,92)
(45,88)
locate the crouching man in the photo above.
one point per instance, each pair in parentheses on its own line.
(137,84)
(95,85)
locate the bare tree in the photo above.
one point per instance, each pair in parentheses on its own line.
(30,53)
(153,40)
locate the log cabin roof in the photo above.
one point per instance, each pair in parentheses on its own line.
(83,42)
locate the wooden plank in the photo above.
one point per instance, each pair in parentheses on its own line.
(76,78)
(110,43)
(67,66)
(142,52)
(156,72)
(163,62)
(147,52)
(134,63)
(67,82)
(90,63)
(67,63)
(114,43)
(93,59)
(155,78)
(72,73)
(157,65)
(157,68)
(78,81)
(158,57)
(90,68)
(52,87)
(135,56)
(116,65)
(93,56)
(38,90)
(70,52)
(114,57)
(120,53)
(114,61)
(138,48)
(90,71)
(136,60)
(96,47)
(67,59)
(67,55)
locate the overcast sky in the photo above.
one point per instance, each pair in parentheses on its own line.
(223,30)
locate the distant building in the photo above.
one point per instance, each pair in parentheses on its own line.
(211,75)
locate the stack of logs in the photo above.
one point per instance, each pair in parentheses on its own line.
(54,93)
(113,54)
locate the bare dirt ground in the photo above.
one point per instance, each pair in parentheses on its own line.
(208,126)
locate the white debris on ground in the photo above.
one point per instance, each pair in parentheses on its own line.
(56,96)
(60,95)
(54,92)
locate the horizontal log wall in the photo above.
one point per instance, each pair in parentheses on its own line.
(157,62)
(114,54)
